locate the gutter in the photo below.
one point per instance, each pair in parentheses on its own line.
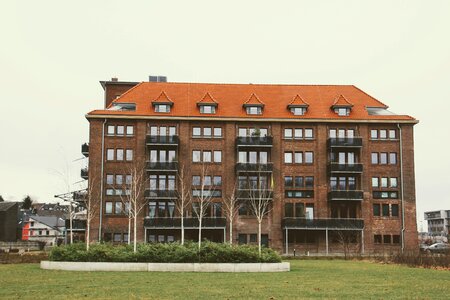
(401,187)
(101,184)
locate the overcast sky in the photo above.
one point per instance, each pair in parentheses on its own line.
(53,53)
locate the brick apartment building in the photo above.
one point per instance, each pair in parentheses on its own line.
(335,161)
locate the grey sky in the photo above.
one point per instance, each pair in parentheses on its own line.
(53,53)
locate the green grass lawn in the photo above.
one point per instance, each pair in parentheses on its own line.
(307,279)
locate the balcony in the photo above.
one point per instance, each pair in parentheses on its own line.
(250,167)
(164,141)
(346,195)
(162,166)
(255,194)
(160,194)
(345,142)
(84,173)
(188,222)
(254,141)
(85,149)
(344,168)
(77,225)
(342,224)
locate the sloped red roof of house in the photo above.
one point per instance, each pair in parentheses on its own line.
(231,97)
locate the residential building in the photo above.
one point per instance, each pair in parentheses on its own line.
(49,230)
(336,165)
(8,221)
(438,222)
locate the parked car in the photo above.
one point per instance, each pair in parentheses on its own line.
(439,248)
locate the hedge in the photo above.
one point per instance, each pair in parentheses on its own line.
(164,253)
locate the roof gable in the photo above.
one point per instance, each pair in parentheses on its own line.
(298,102)
(162,99)
(207,100)
(341,101)
(253,100)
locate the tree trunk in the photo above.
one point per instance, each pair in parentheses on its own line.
(231,231)
(88,228)
(129,230)
(199,233)
(182,229)
(135,233)
(259,237)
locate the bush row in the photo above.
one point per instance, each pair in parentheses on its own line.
(426,260)
(164,253)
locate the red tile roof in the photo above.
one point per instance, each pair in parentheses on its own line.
(207,99)
(341,101)
(298,101)
(231,97)
(253,100)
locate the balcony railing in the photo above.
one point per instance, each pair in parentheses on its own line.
(254,194)
(162,166)
(346,195)
(345,168)
(77,225)
(85,149)
(160,194)
(345,142)
(250,167)
(163,140)
(84,173)
(304,223)
(187,222)
(254,141)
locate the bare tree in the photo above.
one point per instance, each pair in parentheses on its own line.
(92,204)
(259,203)
(183,198)
(126,201)
(203,198)
(231,208)
(346,238)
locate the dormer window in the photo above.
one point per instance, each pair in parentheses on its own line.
(207,104)
(207,109)
(342,107)
(298,106)
(254,110)
(162,104)
(162,108)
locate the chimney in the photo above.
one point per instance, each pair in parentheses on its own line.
(114,79)
(158,78)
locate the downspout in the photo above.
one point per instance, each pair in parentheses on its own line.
(101,184)
(401,187)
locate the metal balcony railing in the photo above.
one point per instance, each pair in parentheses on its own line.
(85,149)
(304,223)
(162,166)
(351,142)
(160,194)
(344,168)
(251,167)
(163,140)
(188,222)
(346,195)
(77,225)
(254,141)
(247,194)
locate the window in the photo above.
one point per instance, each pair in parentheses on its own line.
(299,182)
(383,134)
(394,210)
(376,210)
(217,131)
(109,179)
(118,208)
(288,157)
(196,131)
(342,111)
(195,180)
(385,210)
(217,180)
(386,239)
(395,239)
(298,133)
(218,156)
(109,154)
(128,179)
(111,130)
(374,134)
(242,239)
(119,154)
(254,110)
(130,130)
(393,158)
(383,158)
(308,133)
(375,182)
(309,157)
(288,182)
(288,133)
(309,182)
(207,109)
(162,108)
(207,131)
(117,237)
(393,182)
(196,155)
(374,158)
(207,180)
(108,207)
(119,179)
(206,156)
(253,238)
(109,192)
(377,239)
(384,182)
(129,154)
(120,130)
(392,134)
(298,157)
(298,111)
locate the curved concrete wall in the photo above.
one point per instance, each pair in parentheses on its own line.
(165,267)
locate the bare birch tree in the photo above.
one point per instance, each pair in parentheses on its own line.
(92,204)
(183,197)
(231,208)
(203,199)
(259,203)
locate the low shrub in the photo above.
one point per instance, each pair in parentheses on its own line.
(164,253)
(418,259)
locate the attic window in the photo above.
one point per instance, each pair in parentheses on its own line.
(341,106)
(298,111)
(342,111)
(123,106)
(162,108)
(207,109)
(298,106)
(254,110)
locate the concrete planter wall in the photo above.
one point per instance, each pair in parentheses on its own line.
(165,267)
